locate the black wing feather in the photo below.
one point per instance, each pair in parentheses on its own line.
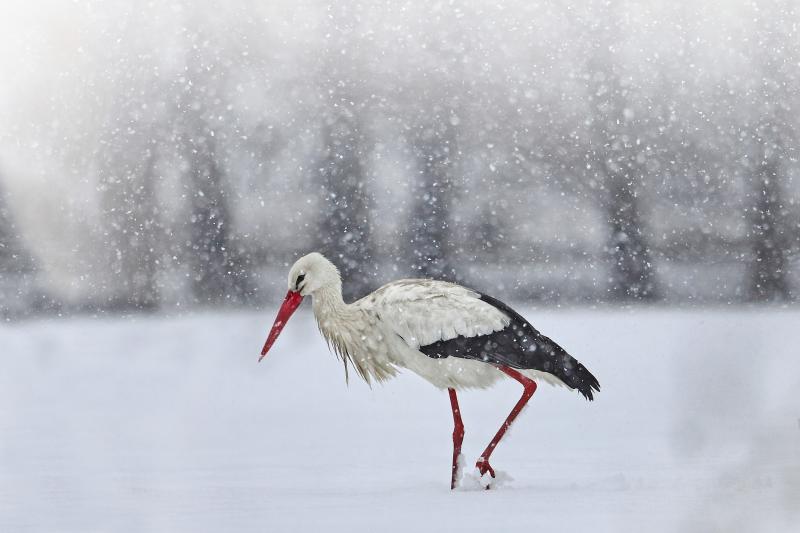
(518,345)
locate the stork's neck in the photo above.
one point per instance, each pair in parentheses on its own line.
(352,333)
(327,301)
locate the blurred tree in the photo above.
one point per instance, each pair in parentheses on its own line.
(126,163)
(490,233)
(771,133)
(17,265)
(131,223)
(14,255)
(345,228)
(218,265)
(434,116)
(767,271)
(615,159)
(435,149)
(344,223)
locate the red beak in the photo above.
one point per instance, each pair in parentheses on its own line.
(290,304)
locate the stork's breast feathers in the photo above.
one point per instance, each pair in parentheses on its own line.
(425,311)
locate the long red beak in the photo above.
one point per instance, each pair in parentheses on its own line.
(290,304)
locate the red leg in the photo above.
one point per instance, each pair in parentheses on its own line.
(530,387)
(458,436)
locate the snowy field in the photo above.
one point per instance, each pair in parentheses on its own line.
(154,424)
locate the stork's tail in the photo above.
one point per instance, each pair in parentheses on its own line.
(547,356)
(575,375)
(568,369)
(585,382)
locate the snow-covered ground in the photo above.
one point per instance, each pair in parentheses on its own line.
(155,424)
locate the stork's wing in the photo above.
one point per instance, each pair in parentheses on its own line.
(445,320)
(425,311)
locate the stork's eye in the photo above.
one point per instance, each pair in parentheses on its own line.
(300,278)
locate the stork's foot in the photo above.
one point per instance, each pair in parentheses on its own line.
(458,460)
(484,467)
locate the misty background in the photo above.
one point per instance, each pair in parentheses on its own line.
(625,173)
(169,156)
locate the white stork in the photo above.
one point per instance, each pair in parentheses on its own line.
(454,337)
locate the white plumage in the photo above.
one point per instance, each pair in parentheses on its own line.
(453,337)
(423,311)
(408,314)
(384,330)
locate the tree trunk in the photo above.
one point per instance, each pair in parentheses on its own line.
(614,154)
(218,270)
(131,219)
(767,280)
(429,244)
(14,257)
(632,276)
(345,233)
(143,280)
(17,269)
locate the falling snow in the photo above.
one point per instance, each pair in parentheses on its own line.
(163,164)
(603,151)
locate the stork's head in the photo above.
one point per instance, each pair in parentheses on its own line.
(309,274)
